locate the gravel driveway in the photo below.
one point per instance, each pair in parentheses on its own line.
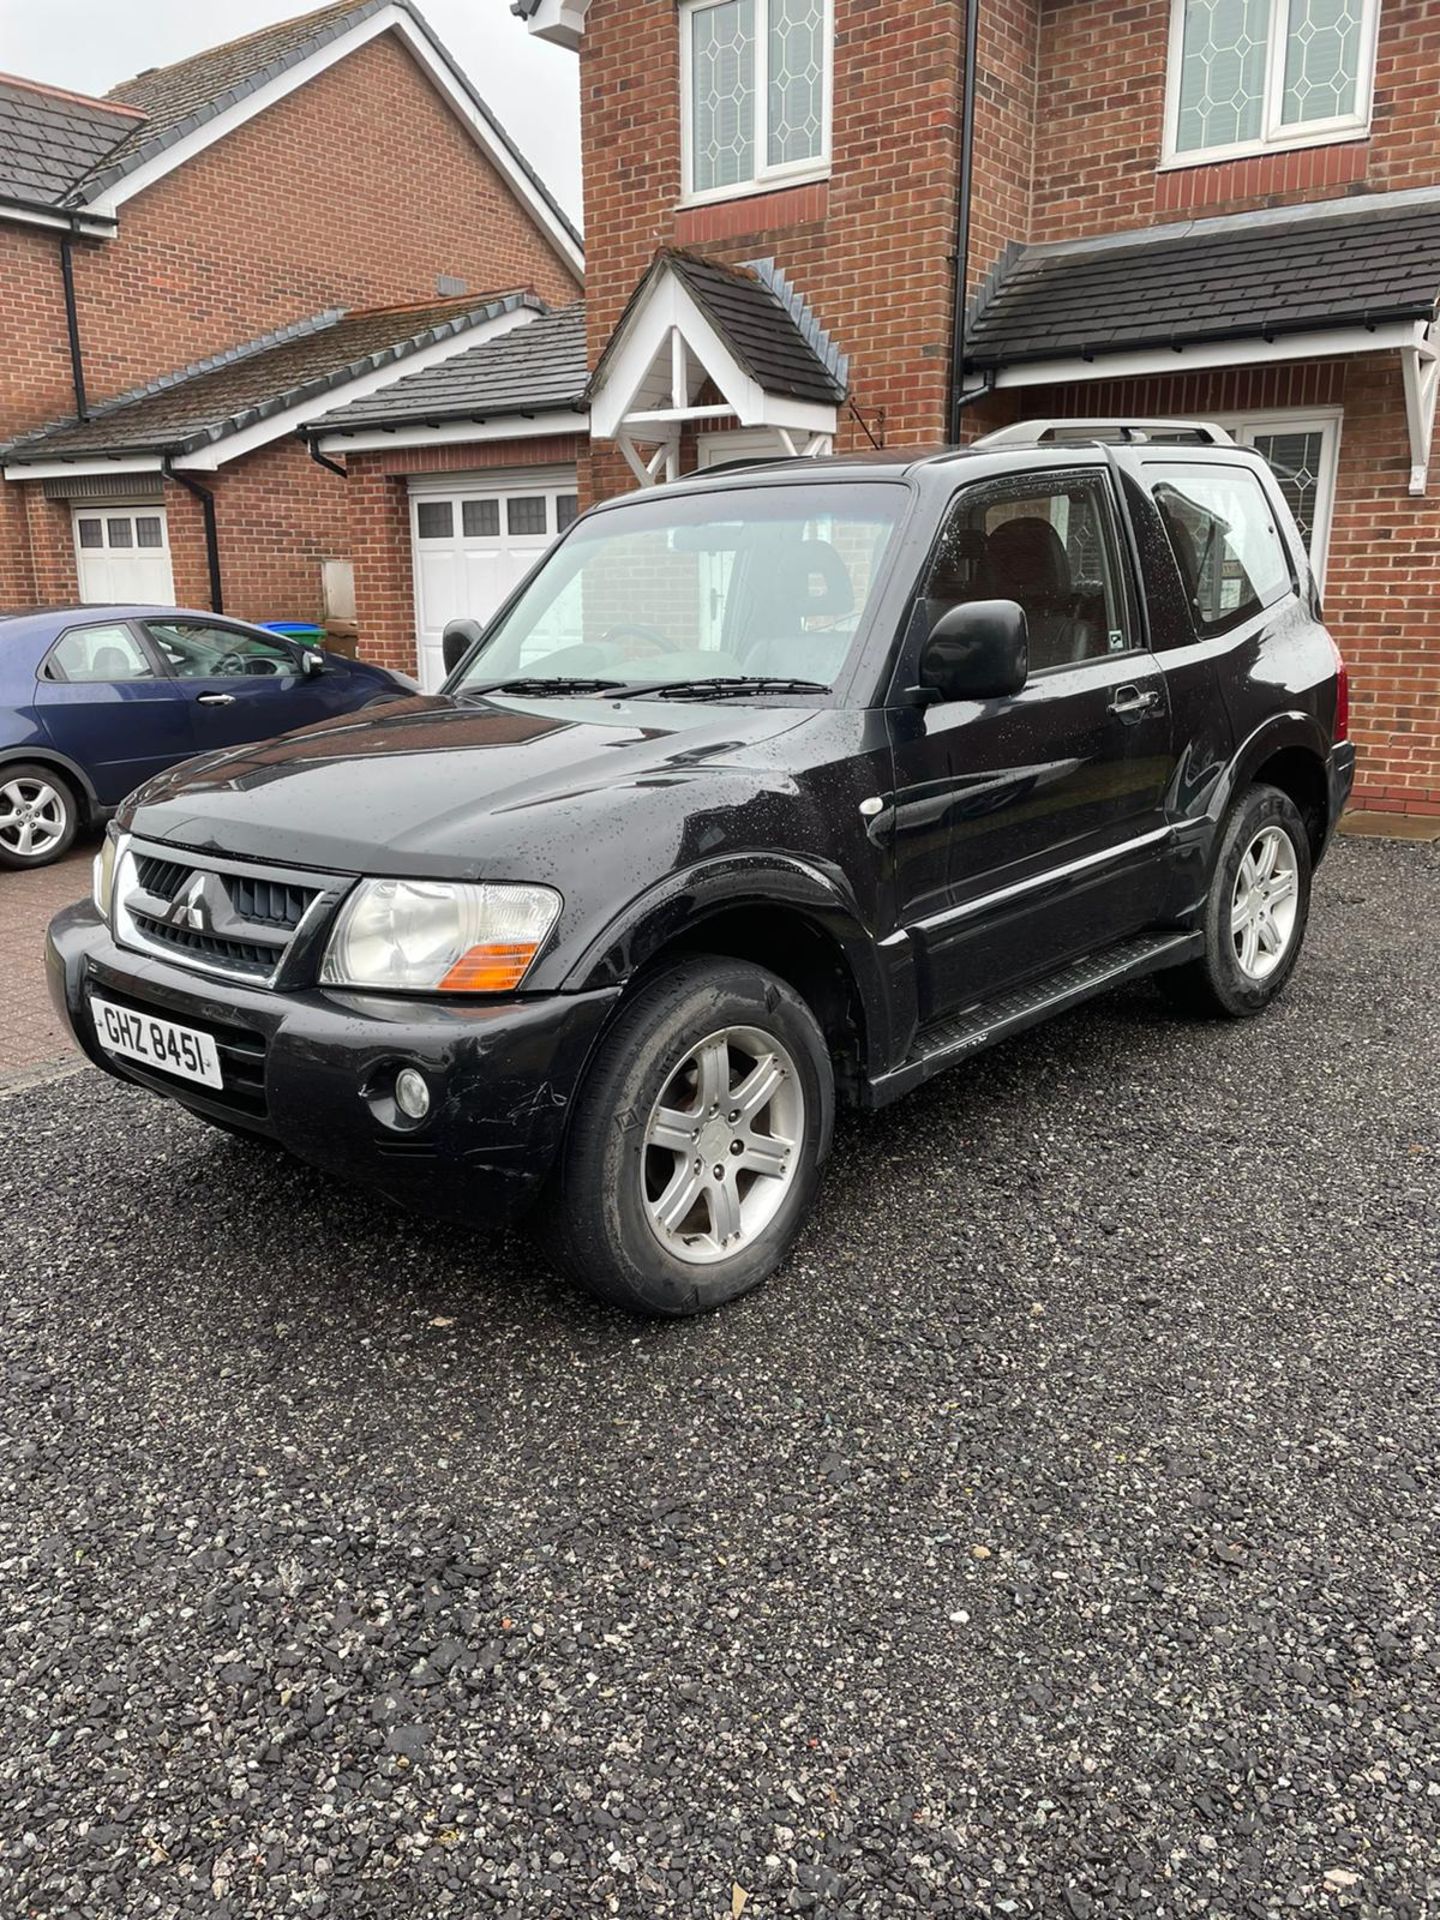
(1056,1536)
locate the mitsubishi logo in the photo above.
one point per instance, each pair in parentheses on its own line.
(198,904)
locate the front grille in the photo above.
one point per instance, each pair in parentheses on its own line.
(268,903)
(215,916)
(160,877)
(237,956)
(242,1061)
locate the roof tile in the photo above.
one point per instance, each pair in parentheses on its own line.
(1222,279)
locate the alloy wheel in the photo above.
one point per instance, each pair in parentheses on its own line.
(33,817)
(1265,903)
(722,1145)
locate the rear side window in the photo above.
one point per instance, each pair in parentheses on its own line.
(1227,543)
(88,654)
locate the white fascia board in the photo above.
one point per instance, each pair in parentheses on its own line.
(310,412)
(1331,344)
(389,19)
(562,22)
(453,433)
(83,469)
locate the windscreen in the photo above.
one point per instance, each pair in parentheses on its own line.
(755,582)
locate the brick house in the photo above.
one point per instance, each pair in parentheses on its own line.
(1222,208)
(217,252)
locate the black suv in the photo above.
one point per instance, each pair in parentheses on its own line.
(788,784)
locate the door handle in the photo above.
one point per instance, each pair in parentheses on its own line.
(1130,702)
(215,700)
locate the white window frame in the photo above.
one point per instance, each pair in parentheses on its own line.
(1274,136)
(766,179)
(1326,421)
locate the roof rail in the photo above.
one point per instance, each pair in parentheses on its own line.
(1037,433)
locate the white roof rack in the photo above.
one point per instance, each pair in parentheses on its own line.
(1037,433)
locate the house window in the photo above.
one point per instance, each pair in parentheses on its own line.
(755,93)
(1250,74)
(1304,453)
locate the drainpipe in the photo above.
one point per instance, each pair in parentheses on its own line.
(212,537)
(323,459)
(959,399)
(72,325)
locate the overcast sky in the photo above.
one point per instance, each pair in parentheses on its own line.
(91,45)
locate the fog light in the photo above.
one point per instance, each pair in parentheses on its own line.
(412,1095)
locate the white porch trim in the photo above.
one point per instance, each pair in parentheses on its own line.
(1421,363)
(668,350)
(1333,343)
(450,433)
(1416,341)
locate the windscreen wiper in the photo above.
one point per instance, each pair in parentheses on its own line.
(725,686)
(534,685)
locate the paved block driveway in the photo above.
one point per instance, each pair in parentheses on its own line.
(1057,1536)
(31,1032)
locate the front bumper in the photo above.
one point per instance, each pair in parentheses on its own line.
(312,1070)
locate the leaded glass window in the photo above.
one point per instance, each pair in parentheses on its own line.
(723,90)
(755,77)
(1253,73)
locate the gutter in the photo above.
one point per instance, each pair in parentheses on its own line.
(212,535)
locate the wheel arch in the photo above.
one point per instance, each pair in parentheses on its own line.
(78,779)
(786,916)
(1291,752)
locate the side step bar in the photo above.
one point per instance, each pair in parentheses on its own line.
(990,1021)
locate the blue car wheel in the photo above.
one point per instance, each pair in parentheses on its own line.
(39,815)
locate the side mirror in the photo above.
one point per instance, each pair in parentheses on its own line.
(312,661)
(459,637)
(977,651)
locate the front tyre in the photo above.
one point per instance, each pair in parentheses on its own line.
(1255,912)
(694,1152)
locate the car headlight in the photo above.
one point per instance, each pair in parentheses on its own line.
(438,936)
(102,881)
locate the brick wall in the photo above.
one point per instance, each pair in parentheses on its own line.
(869,249)
(1099,125)
(356,190)
(378,510)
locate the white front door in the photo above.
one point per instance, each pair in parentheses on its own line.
(122,555)
(473,543)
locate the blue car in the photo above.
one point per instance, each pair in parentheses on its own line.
(93,700)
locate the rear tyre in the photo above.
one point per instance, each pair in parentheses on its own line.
(39,815)
(1255,912)
(694,1151)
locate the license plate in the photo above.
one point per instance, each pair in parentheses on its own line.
(156,1043)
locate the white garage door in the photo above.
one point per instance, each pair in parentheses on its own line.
(123,554)
(474,542)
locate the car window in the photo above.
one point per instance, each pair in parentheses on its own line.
(769,580)
(1047,544)
(197,652)
(1231,554)
(99,653)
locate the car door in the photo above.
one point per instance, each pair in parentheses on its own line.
(241,684)
(1030,830)
(107,703)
